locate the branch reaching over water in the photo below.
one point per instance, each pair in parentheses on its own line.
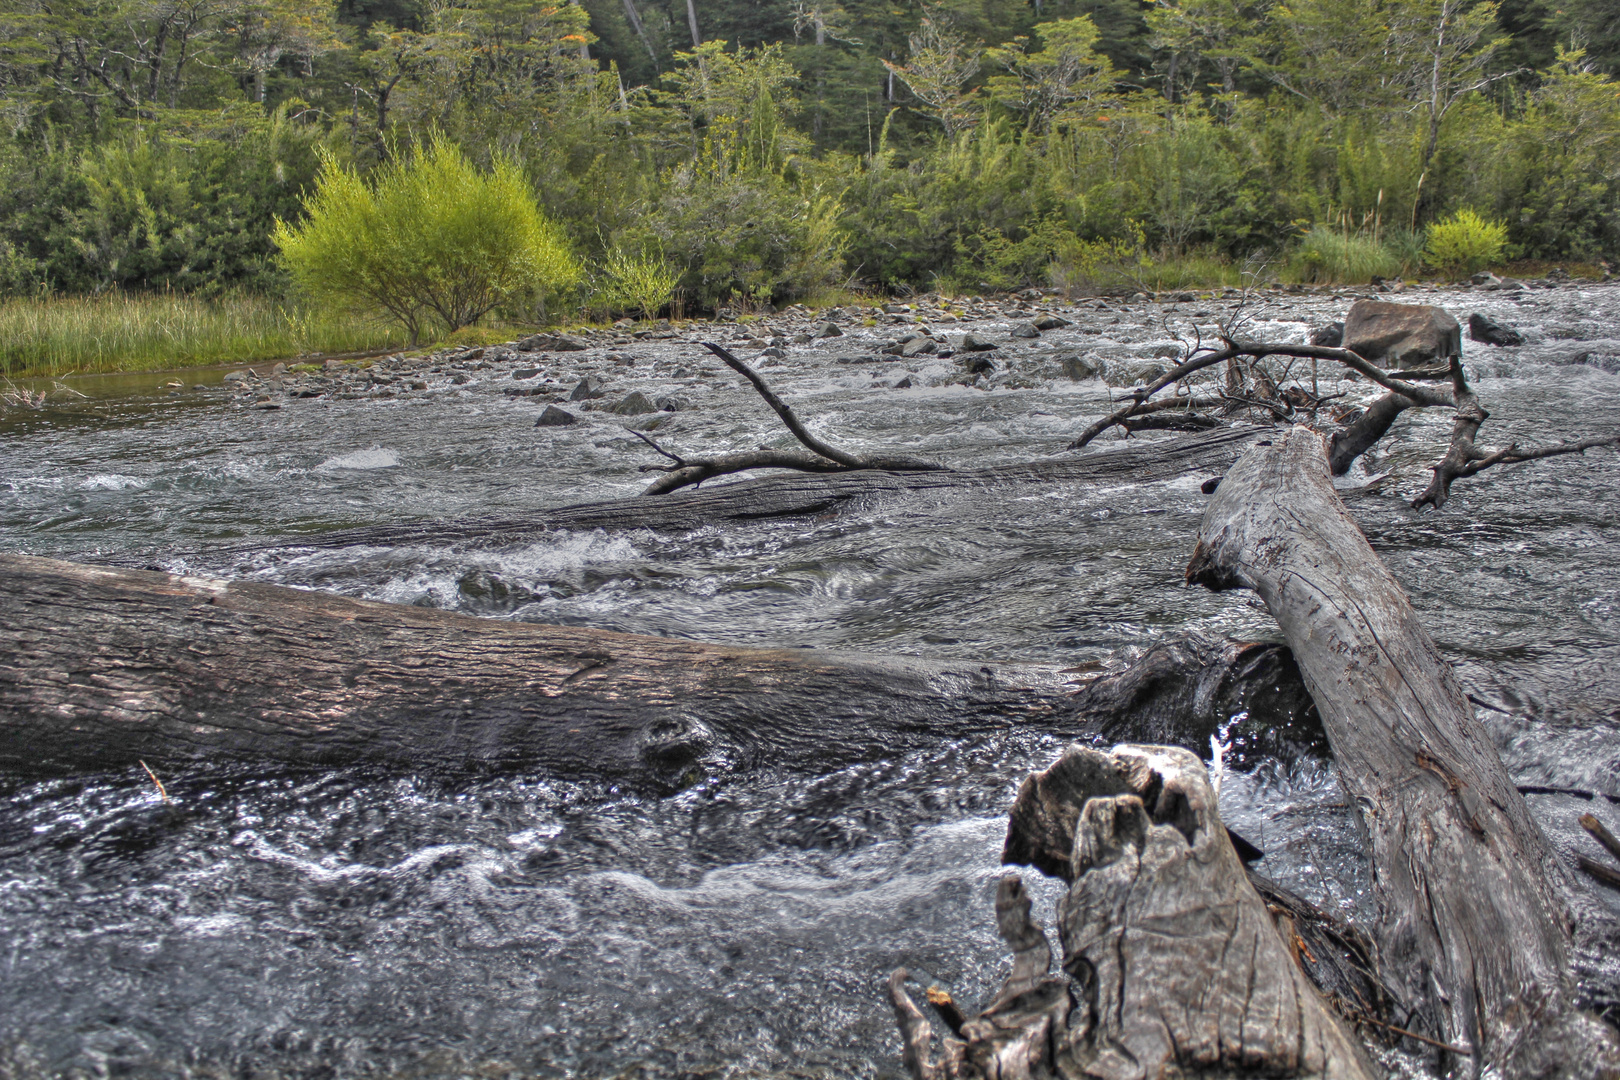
(823,456)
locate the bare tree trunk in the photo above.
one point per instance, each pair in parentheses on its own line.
(691,20)
(1472,931)
(641,31)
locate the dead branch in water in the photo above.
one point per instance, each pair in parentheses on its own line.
(823,456)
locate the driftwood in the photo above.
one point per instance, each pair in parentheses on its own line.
(1172,963)
(822,456)
(104,667)
(789,496)
(1473,935)
(1363,428)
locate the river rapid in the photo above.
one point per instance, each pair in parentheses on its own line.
(271,923)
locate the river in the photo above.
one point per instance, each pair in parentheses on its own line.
(267,923)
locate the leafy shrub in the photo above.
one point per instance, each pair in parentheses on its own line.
(431,240)
(1465,242)
(1327,255)
(639,282)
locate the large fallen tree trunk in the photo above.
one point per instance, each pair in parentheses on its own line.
(1472,931)
(813,495)
(105,667)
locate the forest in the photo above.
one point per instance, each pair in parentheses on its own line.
(771,152)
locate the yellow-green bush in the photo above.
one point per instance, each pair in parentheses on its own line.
(429,240)
(1464,242)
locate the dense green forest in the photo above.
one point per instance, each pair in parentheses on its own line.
(774,149)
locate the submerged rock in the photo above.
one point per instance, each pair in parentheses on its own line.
(551,343)
(634,404)
(555,417)
(1485,329)
(588,389)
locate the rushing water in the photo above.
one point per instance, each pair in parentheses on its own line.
(344,923)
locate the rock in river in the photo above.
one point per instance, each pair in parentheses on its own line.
(634,404)
(1488,330)
(1401,334)
(555,417)
(551,343)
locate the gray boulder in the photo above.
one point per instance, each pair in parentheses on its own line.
(555,417)
(589,389)
(1401,334)
(671,403)
(1080,368)
(634,404)
(1025,330)
(979,365)
(1486,329)
(1330,336)
(1050,322)
(977,343)
(828,329)
(551,343)
(918,346)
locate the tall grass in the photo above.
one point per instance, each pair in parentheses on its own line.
(59,335)
(1329,257)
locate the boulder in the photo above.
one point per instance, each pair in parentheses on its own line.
(828,329)
(1025,330)
(588,389)
(977,343)
(525,373)
(634,404)
(1485,277)
(1330,336)
(918,346)
(550,343)
(555,417)
(1050,322)
(979,365)
(1080,368)
(671,403)
(903,384)
(1488,330)
(1401,334)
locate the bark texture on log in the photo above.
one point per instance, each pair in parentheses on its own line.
(801,495)
(103,667)
(1178,968)
(1472,932)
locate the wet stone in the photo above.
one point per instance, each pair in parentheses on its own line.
(555,417)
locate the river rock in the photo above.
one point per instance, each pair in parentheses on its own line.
(525,373)
(1050,322)
(828,329)
(1401,334)
(671,403)
(1330,336)
(1488,330)
(555,417)
(1485,277)
(634,404)
(1025,330)
(551,343)
(588,389)
(977,343)
(918,346)
(979,365)
(1080,368)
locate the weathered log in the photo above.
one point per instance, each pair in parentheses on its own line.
(798,495)
(1178,967)
(1472,932)
(102,668)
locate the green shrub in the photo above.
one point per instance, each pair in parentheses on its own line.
(1328,256)
(639,282)
(430,241)
(1464,242)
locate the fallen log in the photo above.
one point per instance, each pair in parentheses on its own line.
(1472,932)
(805,496)
(102,668)
(1172,963)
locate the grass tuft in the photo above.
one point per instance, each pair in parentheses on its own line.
(62,335)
